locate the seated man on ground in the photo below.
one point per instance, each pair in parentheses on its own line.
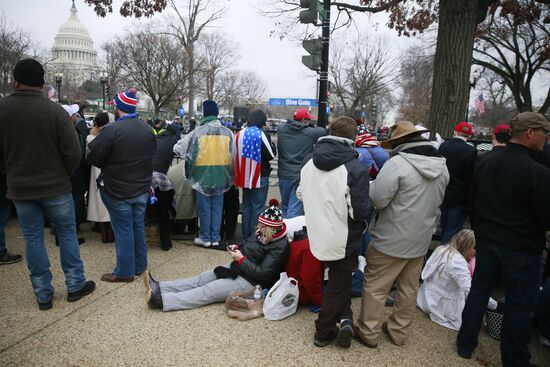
(258,260)
(447,279)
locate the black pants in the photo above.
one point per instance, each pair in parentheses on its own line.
(337,298)
(162,215)
(230,213)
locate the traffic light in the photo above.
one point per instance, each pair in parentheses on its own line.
(314,47)
(309,15)
(107,92)
(374,111)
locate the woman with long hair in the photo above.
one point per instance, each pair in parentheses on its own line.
(447,279)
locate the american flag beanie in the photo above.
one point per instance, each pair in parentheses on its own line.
(272,216)
(126,101)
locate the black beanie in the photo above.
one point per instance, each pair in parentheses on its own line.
(257,118)
(29,72)
(209,108)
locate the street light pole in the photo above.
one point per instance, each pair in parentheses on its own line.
(473,83)
(58,81)
(103,80)
(323,74)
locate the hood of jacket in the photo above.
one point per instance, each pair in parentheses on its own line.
(332,151)
(425,159)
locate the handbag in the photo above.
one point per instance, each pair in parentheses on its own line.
(282,299)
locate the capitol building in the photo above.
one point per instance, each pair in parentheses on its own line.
(73,52)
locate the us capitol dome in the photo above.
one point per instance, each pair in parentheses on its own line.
(73,51)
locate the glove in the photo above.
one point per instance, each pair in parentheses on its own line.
(373,171)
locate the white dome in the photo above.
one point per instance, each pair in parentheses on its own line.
(73,45)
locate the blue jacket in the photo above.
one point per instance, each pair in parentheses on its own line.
(368,156)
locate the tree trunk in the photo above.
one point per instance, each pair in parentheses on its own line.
(191,56)
(458,21)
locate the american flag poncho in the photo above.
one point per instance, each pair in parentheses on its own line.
(248,160)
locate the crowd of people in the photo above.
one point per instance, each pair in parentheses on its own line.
(350,204)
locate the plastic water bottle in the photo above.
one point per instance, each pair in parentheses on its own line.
(257,293)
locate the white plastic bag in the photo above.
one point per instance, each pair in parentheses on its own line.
(282,299)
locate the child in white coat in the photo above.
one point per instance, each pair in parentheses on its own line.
(447,279)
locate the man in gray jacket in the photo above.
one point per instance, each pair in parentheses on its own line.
(295,140)
(406,194)
(39,150)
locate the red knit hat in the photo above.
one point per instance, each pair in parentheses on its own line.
(502,128)
(464,128)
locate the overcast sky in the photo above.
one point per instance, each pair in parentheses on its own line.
(277,61)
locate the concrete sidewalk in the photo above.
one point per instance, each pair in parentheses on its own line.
(114,327)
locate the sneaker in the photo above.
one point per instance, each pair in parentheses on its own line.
(88,288)
(462,352)
(200,242)
(44,306)
(9,258)
(153,296)
(345,334)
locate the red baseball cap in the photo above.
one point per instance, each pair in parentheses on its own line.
(464,128)
(502,128)
(301,114)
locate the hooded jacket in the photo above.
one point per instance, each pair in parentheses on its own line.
(262,264)
(406,193)
(336,219)
(295,141)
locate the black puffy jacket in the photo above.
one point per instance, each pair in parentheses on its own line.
(263,263)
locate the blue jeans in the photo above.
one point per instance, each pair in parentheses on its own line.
(60,211)
(520,272)
(5,210)
(452,220)
(290,205)
(127,220)
(210,216)
(253,205)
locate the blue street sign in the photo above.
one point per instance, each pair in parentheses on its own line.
(301,102)
(181,111)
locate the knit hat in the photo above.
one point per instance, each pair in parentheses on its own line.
(29,72)
(257,118)
(272,216)
(464,128)
(210,108)
(126,101)
(365,139)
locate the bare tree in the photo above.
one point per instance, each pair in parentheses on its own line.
(498,101)
(415,80)
(361,74)
(187,27)
(519,54)
(241,88)
(111,63)
(218,53)
(15,44)
(153,62)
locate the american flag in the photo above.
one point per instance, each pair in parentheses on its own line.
(248,162)
(479,103)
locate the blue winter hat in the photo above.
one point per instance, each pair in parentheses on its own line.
(209,108)
(126,101)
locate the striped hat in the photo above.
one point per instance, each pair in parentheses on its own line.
(272,216)
(126,101)
(365,139)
